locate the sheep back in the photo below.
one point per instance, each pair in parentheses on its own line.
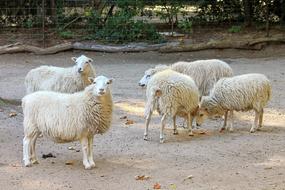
(179,94)
(242,93)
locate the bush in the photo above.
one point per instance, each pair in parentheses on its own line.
(235,29)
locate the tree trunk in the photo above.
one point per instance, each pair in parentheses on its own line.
(248,11)
(282,19)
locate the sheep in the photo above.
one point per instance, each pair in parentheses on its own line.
(171,94)
(66,80)
(204,72)
(238,93)
(67,117)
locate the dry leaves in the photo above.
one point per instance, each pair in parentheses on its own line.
(142,177)
(12,114)
(188,177)
(69,162)
(173,186)
(129,122)
(157,186)
(123,117)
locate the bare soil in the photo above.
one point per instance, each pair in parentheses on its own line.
(237,160)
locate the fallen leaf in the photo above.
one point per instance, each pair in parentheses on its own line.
(189,177)
(69,162)
(129,122)
(173,186)
(156,186)
(49,155)
(12,114)
(268,168)
(71,148)
(142,177)
(123,117)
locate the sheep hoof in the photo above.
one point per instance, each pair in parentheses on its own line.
(161,140)
(252,130)
(145,138)
(35,161)
(27,163)
(88,167)
(231,129)
(93,165)
(175,132)
(222,129)
(191,133)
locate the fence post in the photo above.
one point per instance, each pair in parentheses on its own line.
(43,23)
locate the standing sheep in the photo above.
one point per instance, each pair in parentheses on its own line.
(205,73)
(238,93)
(66,80)
(67,117)
(171,94)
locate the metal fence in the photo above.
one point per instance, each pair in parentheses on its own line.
(48,22)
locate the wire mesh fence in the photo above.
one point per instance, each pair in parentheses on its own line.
(49,22)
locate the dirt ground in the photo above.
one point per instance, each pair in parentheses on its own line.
(237,160)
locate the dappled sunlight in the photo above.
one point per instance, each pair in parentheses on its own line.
(272,117)
(275,161)
(134,108)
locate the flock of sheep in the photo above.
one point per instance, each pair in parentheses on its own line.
(70,104)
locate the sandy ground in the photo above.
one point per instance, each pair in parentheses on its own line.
(214,160)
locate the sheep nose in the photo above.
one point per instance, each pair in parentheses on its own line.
(101,90)
(142,85)
(79,70)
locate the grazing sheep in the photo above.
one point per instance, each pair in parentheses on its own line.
(171,94)
(66,80)
(205,73)
(238,93)
(67,117)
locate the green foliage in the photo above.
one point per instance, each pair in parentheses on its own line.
(235,29)
(66,34)
(185,26)
(121,27)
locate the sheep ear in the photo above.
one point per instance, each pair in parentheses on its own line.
(91,80)
(110,80)
(158,93)
(74,59)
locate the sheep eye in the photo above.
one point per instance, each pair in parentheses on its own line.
(108,82)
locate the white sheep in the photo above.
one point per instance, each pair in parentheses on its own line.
(67,80)
(171,94)
(238,93)
(205,73)
(67,117)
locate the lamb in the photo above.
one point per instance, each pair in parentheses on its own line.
(204,72)
(67,117)
(171,94)
(238,93)
(66,80)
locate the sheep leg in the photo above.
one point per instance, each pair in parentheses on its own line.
(90,151)
(163,121)
(148,117)
(260,119)
(33,148)
(85,149)
(175,132)
(225,121)
(231,128)
(26,151)
(254,125)
(189,124)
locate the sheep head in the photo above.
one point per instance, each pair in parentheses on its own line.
(149,73)
(83,64)
(100,85)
